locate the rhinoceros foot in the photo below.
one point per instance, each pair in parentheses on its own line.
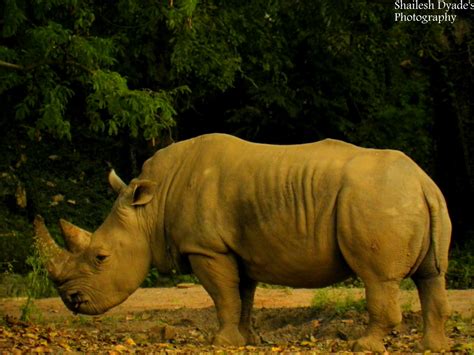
(229,337)
(437,345)
(368,343)
(251,337)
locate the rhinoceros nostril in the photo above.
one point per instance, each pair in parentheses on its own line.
(74,299)
(74,296)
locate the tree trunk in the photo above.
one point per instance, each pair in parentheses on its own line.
(454,161)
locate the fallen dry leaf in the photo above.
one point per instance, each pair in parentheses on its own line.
(120,348)
(130,342)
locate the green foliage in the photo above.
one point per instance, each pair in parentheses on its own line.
(337,301)
(407,284)
(15,242)
(275,71)
(356,282)
(33,175)
(12,19)
(12,285)
(57,52)
(461,267)
(38,286)
(151,111)
(154,279)
(203,52)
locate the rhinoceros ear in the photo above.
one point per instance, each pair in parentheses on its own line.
(143,191)
(116,182)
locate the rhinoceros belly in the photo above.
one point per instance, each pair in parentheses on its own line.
(295,267)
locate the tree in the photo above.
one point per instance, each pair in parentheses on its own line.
(57,63)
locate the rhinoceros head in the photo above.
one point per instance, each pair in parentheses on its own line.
(99,270)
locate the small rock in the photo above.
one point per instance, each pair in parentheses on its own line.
(145,316)
(342,335)
(164,332)
(169,333)
(185,285)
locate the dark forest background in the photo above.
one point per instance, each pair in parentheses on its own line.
(86,86)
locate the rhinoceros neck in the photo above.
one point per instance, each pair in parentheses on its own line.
(152,226)
(160,170)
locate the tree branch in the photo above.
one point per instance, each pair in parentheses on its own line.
(21,67)
(11,65)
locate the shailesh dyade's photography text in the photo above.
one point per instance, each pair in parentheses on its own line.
(438,11)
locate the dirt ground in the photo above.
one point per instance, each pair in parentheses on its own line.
(182,319)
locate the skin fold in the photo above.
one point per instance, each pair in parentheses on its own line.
(237,213)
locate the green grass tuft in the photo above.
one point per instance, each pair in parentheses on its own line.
(337,301)
(461,266)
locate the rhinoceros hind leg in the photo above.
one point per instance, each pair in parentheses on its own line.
(384,314)
(435,309)
(220,277)
(247,292)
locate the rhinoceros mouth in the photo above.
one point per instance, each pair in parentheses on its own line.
(83,307)
(77,302)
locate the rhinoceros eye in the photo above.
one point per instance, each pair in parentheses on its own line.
(101,257)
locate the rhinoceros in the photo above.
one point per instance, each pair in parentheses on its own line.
(236,213)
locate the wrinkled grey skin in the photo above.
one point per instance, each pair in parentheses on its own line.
(238,213)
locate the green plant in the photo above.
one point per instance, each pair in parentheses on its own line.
(407,304)
(38,284)
(12,285)
(407,284)
(154,279)
(338,301)
(352,282)
(461,267)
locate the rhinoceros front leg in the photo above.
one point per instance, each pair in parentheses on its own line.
(219,274)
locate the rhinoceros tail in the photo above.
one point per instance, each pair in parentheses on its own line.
(440,225)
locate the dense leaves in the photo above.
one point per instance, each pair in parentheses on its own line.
(279,70)
(52,51)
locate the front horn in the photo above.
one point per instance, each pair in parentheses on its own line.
(54,257)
